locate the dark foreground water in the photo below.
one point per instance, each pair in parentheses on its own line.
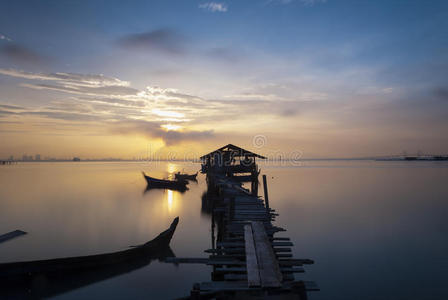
(376,230)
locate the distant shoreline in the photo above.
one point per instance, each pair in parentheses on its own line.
(443,158)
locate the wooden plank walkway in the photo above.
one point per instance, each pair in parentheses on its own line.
(253,274)
(247,257)
(267,262)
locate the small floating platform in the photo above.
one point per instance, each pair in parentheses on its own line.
(10,235)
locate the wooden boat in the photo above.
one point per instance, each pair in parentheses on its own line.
(165,184)
(64,267)
(180,176)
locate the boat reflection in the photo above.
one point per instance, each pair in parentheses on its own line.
(151,188)
(44,286)
(46,278)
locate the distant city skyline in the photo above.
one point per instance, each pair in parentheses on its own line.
(180,157)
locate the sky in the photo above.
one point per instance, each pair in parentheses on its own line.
(175,79)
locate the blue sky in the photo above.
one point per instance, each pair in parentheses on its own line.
(367,77)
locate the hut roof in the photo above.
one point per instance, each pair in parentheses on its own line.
(238,151)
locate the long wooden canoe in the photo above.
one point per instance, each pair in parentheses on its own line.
(61,266)
(180,176)
(165,184)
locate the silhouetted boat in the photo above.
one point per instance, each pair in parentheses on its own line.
(165,183)
(180,176)
(61,267)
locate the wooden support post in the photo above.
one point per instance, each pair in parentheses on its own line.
(266,197)
(195,293)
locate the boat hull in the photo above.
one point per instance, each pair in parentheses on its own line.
(185,176)
(17,271)
(180,185)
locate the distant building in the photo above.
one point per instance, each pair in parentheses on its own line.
(11,158)
(76,159)
(27,158)
(37,157)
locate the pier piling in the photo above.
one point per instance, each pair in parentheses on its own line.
(266,197)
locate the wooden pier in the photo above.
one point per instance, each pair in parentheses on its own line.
(248,261)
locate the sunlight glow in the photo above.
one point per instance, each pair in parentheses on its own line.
(171,127)
(171,168)
(167,113)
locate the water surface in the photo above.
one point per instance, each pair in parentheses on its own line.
(376,230)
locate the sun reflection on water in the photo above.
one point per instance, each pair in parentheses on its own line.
(170,199)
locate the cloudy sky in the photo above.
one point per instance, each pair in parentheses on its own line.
(328,78)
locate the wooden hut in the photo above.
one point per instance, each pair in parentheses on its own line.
(231,160)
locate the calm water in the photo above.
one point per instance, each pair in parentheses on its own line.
(376,230)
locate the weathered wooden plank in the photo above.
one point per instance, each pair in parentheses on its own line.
(236,227)
(238,277)
(230,244)
(289,263)
(241,238)
(304,261)
(247,202)
(270,274)
(250,206)
(276,244)
(253,273)
(241,215)
(239,224)
(250,212)
(231,256)
(241,232)
(279,255)
(225,250)
(246,218)
(228,262)
(231,276)
(242,286)
(209,261)
(276,250)
(10,235)
(239,209)
(225,286)
(243,269)
(231,269)
(256,215)
(241,244)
